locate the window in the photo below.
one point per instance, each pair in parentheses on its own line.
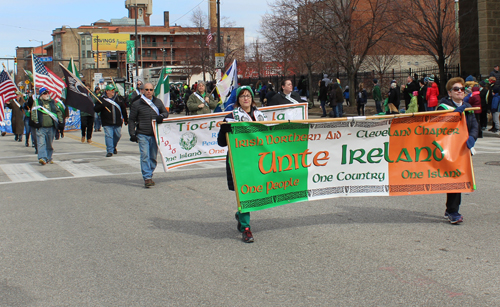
(148,53)
(164,39)
(83,54)
(89,53)
(171,39)
(83,41)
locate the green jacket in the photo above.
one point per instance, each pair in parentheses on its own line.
(377,95)
(43,118)
(193,103)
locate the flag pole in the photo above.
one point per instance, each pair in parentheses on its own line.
(80,82)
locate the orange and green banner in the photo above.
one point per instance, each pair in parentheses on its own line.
(278,164)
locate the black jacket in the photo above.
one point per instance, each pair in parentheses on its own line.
(141,115)
(472,124)
(112,116)
(280,99)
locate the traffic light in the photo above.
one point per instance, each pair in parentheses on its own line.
(15,60)
(100,57)
(95,57)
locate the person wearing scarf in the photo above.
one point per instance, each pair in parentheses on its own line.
(244,110)
(142,112)
(201,102)
(456,91)
(113,115)
(286,95)
(47,118)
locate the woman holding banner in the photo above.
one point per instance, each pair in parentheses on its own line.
(201,102)
(456,91)
(244,110)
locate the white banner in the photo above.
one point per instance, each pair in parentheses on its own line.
(193,139)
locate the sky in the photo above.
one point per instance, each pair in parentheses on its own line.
(34,19)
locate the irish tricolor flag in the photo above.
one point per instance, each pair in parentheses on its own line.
(162,89)
(293,162)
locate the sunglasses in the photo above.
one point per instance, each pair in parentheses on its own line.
(457,89)
(149,89)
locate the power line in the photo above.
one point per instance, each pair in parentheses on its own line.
(1,24)
(190,10)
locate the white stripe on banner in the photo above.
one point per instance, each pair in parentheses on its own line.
(22,173)
(83,169)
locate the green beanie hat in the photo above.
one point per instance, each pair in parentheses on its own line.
(245,87)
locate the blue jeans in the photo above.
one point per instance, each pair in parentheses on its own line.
(112,135)
(45,137)
(149,152)
(323,106)
(340,109)
(378,105)
(97,122)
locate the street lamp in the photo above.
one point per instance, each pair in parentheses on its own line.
(41,42)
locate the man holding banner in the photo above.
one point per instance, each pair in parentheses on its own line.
(142,113)
(244,110)
(201,102)
(456,91)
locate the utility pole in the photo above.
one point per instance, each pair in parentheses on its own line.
(136,58)
(218,26)
(97,57)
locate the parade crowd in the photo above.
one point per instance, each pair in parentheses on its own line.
(41,118)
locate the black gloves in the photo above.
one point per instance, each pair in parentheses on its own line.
(460,109)
(133,138)
(159,119)
(60,126)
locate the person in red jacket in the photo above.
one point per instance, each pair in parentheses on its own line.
(475,101)
(432,96)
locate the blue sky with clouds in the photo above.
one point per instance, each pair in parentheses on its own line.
(34,19)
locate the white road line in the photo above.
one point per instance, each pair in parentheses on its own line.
(22,172)
(54,154)
(82,169)
(134,161)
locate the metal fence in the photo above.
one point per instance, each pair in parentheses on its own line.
(366,77)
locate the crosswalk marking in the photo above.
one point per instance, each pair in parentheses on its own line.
(83,169)
(79,168)
(22,172)
(134,161)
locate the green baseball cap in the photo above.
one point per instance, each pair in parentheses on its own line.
(110,87)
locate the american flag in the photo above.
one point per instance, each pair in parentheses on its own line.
(44,77)
(2,110)
(209,38)
(7,87)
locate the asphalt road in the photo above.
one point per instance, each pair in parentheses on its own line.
(85,232)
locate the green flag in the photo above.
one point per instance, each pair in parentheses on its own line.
(72,68)
(162,89)
(29,74)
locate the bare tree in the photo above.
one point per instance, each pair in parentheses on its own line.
(429,26)
(382,57)
(352,29)
(278,37)
(199,56)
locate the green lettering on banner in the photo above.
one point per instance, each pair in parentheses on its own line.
(281,164)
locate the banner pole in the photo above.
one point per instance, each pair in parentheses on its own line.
(341,119)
